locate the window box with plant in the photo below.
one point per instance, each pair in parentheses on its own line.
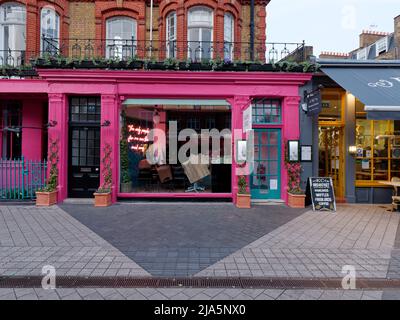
(102,197)
(296,195)
(47,196)
(243,198)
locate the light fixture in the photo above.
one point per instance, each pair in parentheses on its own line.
(352,150)
(156,117)
(51,124)
(106,123)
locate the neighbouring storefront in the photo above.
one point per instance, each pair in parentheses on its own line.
(356,132)
(132,114)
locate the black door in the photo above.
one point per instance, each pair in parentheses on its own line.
(84,150)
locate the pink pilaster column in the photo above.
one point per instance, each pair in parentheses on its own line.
(110,106)
(291,131)
(58,115)
(238,105)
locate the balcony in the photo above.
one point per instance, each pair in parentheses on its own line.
(194,51)
(170,55)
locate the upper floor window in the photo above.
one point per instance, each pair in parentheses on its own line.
(49,30)
(200,33)
(121,38)
(228,36)
(171,35)
(12,33)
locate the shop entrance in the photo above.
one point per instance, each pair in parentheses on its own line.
(331,151)
(265,181)
(84,147)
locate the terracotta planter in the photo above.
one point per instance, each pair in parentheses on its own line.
(243,201)
(296,200)
(102,199)
(46,198)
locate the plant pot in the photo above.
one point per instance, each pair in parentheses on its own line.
(261,67)
(156,66)
(243,201)
(46,198)
(296,200)
(87,64)
(135,65)
(102,199)
(126,187)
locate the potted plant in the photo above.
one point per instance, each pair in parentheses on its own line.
(126,181)
(102,197)
(47,196)
(243,197)
(296,195)
(171,64)
(134,63)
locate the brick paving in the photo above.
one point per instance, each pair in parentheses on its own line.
(319,245)
(32,237)
(193,294)
(263,242)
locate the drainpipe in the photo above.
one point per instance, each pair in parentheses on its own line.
(252,30)
(151,27)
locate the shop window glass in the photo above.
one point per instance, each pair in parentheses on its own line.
(49,31)
(266,111)
(377,151)
(12,34)
(200,37)
(331,106)
(121,38)
(152,164)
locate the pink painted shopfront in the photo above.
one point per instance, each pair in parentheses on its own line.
(93,109)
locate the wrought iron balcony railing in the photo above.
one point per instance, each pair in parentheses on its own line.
(194,51)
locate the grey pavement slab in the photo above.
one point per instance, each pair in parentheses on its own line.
(182,239)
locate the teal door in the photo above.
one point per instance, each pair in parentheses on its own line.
(265,181)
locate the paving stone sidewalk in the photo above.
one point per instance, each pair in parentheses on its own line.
(194,294)
(32,237)
(319,245)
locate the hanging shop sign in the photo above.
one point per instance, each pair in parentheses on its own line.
(320,190)
(314,103)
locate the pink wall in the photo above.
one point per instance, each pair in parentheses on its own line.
(115,86)
(32,123)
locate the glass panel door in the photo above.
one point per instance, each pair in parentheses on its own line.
(265,181)
(331,162)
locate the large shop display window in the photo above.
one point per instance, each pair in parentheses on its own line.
(166,149)
(378,148)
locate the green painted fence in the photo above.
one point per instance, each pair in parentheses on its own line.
(20,178)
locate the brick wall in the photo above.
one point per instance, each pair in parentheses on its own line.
(82,20)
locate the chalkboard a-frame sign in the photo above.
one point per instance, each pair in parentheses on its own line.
(322,194)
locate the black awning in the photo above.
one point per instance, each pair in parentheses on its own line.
(377,87)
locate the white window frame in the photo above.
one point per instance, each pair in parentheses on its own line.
(12,52)
(171,38)
(382,45)
(362,54)
(229,42)
(201,26)
(116,46)
(52,40)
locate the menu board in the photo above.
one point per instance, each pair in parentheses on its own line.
(322,194)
